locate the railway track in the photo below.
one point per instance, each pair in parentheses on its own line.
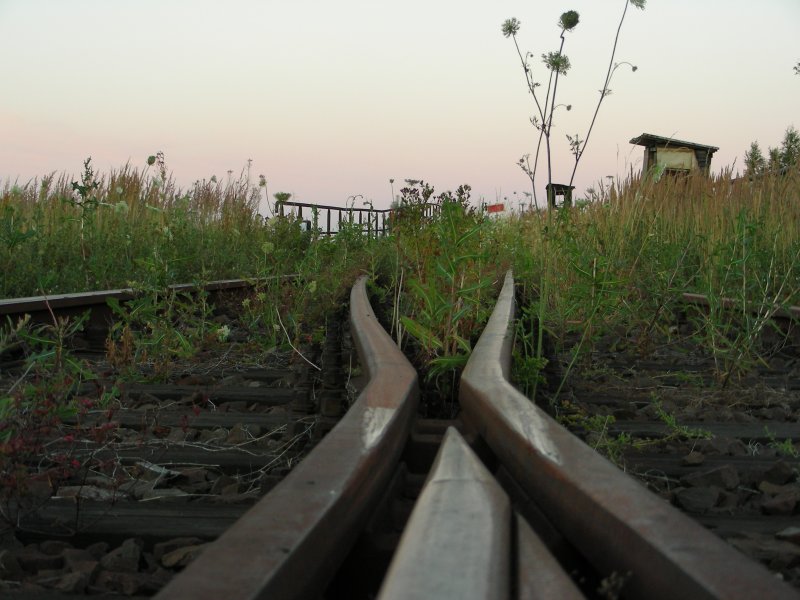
(151,471)
(724,449)
(500,502)
(503,502)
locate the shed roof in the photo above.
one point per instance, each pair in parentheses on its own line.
(648,139)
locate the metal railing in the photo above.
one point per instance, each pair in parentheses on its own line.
(328,220)
(371,221)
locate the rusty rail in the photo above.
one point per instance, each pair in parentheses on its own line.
(465,538)
(456,544)
(613,521)
(464,541)
(40,306)
(774,311)
(283,548)
(86,299)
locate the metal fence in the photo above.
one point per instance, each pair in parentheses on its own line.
(328,220)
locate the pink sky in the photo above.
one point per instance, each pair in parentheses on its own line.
(330,100)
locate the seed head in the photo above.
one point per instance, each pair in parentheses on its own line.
(557,62)
(510,27)
(569,20)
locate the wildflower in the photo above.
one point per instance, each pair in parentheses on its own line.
(267,247)
(569,20)
(223,333)
(510,27)
(557,62)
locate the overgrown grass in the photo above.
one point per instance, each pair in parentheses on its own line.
(618,265)
(135,229)
(130,226)
(621,265)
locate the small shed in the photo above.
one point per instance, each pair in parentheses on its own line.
(554,190)
(677,156)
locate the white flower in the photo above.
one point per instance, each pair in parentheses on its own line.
(223,333)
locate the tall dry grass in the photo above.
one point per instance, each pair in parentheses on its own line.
(131,225)
(621,265)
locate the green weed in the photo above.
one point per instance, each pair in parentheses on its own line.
(35,408)
(447,298)
(676,430)
(784,447)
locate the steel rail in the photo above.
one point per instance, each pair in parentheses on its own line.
(284,549)
(464,541)
(457,542)
(34,304)
(614,522)
(774,311)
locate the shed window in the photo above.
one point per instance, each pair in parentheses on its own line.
(677,159)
